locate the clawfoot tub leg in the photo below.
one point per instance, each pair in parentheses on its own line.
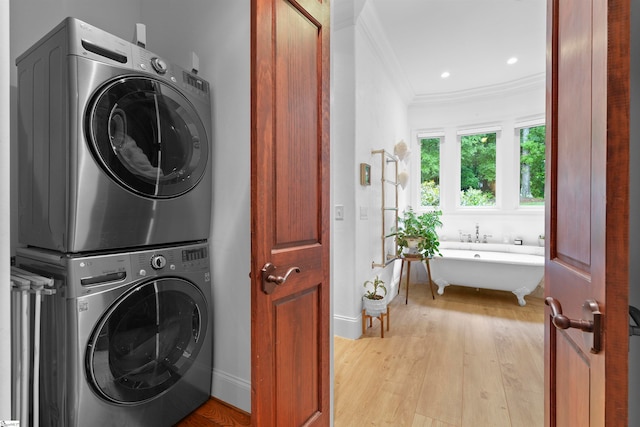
(441,285)
(520,293)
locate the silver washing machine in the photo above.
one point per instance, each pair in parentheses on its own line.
(126,340)
(114,145)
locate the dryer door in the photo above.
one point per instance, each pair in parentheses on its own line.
(147,136)
(147,340)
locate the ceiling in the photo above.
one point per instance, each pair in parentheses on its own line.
(470,39)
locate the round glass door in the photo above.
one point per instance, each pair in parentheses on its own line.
(147,136)
(147,340)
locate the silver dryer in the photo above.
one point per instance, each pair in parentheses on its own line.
(114,145)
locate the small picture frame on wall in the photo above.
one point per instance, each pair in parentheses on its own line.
(365,174)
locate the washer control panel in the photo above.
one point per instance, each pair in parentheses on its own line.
(96,271)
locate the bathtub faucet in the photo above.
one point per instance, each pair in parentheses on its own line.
(477,233)
(463,235)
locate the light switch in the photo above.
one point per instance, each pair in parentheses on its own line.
(364,212)
(339,212)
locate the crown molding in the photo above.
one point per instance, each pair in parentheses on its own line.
(364,16)
(372,28)
(525,84)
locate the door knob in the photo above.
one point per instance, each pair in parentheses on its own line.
(270,281)
(592,325)
(634,330)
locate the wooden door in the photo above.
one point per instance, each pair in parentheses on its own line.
(587,212)
(290,315)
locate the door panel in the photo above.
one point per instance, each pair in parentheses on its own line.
(587,209)
(296,138)
(290,213)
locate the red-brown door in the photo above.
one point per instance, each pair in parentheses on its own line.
(290,213)
(587,213)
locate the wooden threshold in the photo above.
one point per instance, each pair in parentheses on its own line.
(216,413)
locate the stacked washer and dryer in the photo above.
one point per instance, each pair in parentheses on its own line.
(115,205)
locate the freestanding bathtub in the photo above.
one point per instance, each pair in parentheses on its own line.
(474,267)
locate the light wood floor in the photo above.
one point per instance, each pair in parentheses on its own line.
(468,359)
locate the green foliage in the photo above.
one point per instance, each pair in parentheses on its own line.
(430,171)
(422,227)
(378,284)
(475,197)
(430,160)
(429,194)
(532,160)
(478,163)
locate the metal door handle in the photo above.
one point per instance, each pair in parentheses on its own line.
(635,315)
(270,281)
(589,309)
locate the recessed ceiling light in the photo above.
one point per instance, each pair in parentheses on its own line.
(445,74)
(512,60)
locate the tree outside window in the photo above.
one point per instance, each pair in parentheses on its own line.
(430,171)
(478,170)
(532,166)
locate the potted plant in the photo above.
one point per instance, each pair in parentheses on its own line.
(374,300)
(541,240)
(418,234)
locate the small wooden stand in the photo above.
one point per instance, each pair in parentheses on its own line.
(409,260)
(382,316)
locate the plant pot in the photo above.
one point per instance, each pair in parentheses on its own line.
(412,246)
(413,242)
(374,307)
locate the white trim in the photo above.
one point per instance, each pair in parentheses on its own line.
(347,327)
(439,133)
(5,232)
(231,389)
(479,130)
(373,29)
(526,84)
(531,122)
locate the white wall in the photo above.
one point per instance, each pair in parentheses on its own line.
(368,114)
(218,31)
(343,179)
(5,327)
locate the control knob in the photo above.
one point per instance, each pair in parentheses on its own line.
(158,262)
(159,65)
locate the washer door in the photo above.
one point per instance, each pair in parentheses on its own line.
(147,340)
(147,136)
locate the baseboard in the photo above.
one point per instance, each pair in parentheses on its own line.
(347,327)
(231,389)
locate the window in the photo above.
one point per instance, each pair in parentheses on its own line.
(430,171)
(532,167)
(478,169)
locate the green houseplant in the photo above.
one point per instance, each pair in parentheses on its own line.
(418,234)
(373,300)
